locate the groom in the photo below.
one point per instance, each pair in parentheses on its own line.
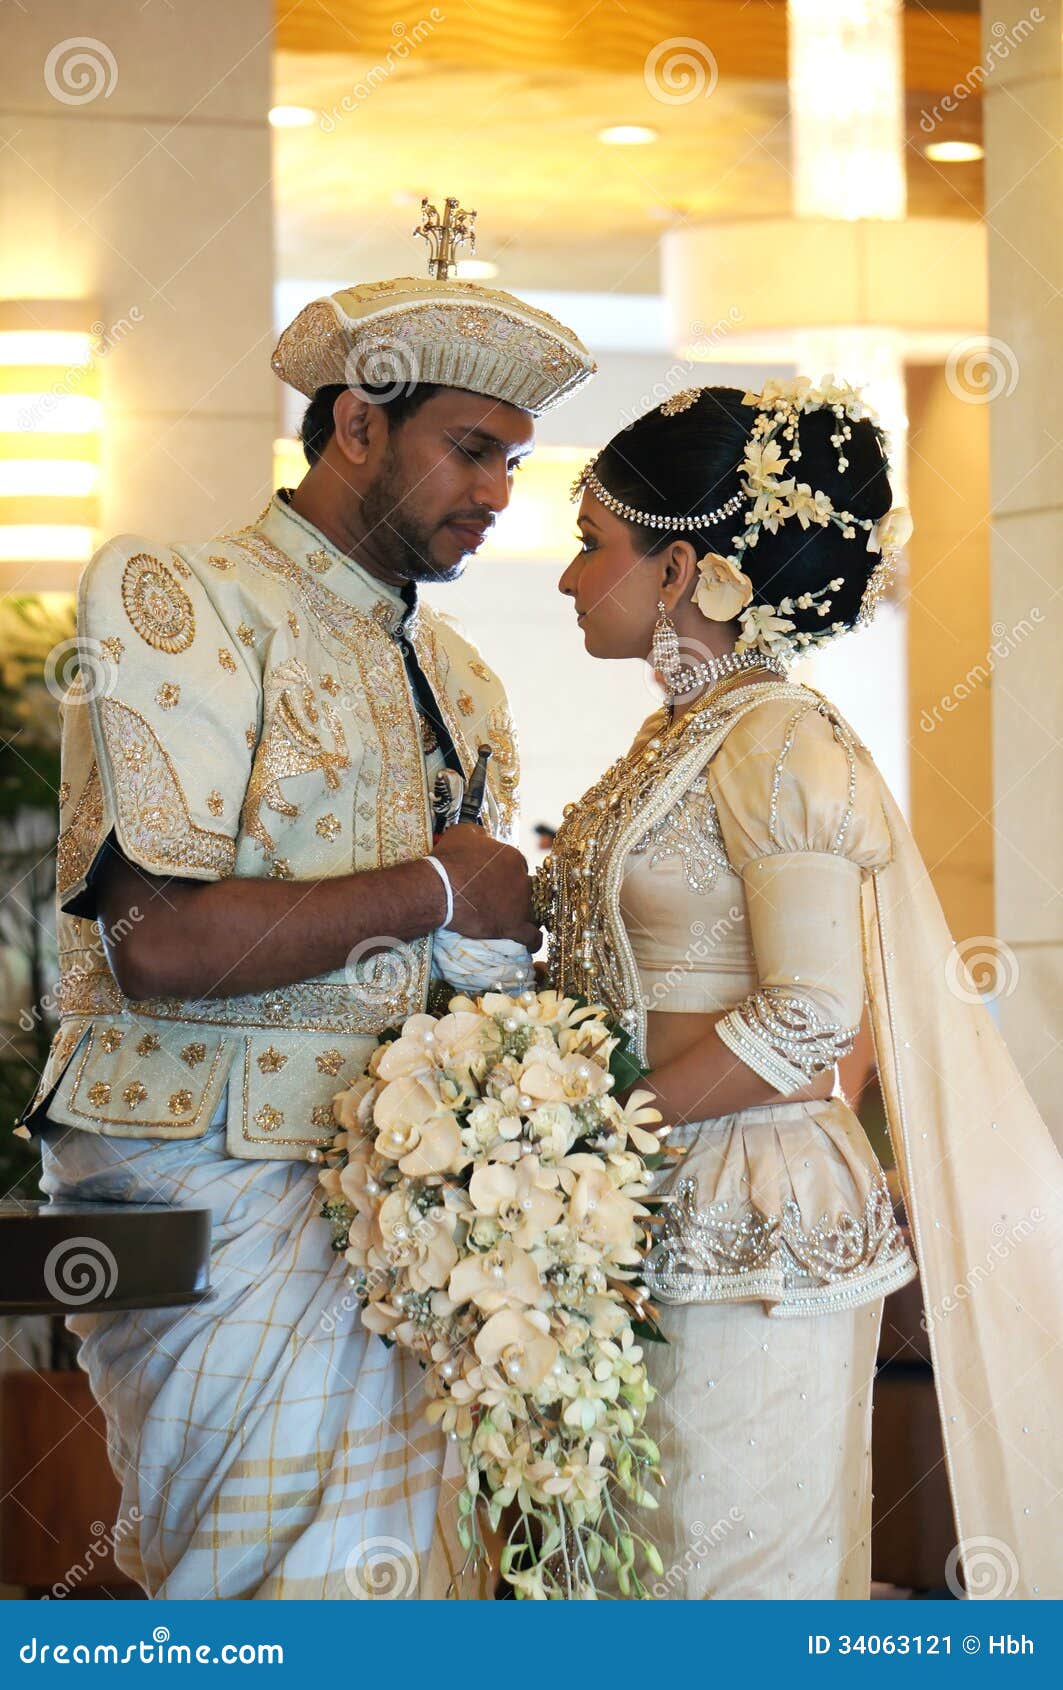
(245,771)
(249,760)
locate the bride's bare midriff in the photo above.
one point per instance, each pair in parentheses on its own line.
(669,1034)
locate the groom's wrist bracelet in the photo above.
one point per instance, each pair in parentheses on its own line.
(447,887)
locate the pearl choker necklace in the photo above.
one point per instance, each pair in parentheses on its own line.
(690,676)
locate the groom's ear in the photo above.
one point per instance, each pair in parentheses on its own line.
(679,568)
(354,422)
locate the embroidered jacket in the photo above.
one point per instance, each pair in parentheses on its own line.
(243,709)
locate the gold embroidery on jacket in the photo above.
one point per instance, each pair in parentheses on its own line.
(501,771)
(152,806)
(159,610)
(289,746)
(80,839)
(99,1094)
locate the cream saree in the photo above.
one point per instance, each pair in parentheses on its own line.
(983,1187)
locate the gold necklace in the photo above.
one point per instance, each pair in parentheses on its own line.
(569,887)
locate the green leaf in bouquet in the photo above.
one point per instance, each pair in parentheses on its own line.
(648,1333)
(624,1065)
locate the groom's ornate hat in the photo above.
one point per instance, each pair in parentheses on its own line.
(395,334)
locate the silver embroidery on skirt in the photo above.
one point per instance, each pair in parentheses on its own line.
(714,1254)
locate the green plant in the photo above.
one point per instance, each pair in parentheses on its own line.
(37,656)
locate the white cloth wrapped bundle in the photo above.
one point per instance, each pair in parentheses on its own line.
(480,965)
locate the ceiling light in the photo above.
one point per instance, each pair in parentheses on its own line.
(627,135)
(954,152)
(292,117)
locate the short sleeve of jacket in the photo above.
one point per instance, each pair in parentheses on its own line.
(159,728)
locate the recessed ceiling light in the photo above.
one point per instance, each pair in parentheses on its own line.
(627,135)
(292,117)
(954,152)
(476,270)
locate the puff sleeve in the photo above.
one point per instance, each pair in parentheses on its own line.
(800,814)
(156,748)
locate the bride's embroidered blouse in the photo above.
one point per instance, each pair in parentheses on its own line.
(731,882)
(746,896)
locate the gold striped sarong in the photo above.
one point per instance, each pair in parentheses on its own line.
(267,1445)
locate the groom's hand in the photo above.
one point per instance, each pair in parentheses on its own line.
(492,888)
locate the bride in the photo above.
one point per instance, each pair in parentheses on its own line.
(726,888)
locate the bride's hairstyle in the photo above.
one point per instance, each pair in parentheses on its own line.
(689,461)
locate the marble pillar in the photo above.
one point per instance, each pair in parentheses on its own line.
(1023,97)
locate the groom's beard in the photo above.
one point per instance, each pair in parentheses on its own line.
(403,537)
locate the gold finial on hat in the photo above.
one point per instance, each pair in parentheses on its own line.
(444,238)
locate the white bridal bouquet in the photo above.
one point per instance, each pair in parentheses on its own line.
(486,1189)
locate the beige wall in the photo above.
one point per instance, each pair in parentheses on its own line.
(1024,192)
(950,664)
(153,201)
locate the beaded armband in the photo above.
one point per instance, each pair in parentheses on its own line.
(782,1037)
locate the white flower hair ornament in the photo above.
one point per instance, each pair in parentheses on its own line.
(778,497)
(770,496)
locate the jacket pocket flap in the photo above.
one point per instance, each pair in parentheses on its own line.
(134,1083)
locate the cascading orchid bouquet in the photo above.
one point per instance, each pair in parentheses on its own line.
(487,1191)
